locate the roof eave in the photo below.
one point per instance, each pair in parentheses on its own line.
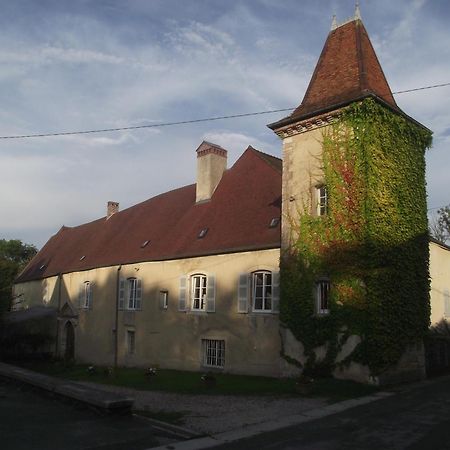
(301,117)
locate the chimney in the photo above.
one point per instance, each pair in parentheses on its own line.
(112,208)
(211,164)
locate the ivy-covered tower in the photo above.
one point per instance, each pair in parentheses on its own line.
(354,265)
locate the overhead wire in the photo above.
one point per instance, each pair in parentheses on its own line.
(182,122)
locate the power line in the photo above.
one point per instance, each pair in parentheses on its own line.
(422,88)
(182,122)
(137,127)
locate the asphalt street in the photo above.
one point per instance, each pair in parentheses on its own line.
(417,417)
(30,419)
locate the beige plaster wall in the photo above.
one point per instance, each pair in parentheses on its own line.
(171,338)
(302,171)
(35,293)
(440,281)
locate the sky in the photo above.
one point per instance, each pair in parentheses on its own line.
(69,65)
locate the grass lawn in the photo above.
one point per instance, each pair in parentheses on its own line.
(191,383)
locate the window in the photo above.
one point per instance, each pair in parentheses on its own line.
(145,243)
(322,200)
(86,300)
(85,295)
(322,297)
(164,299)
(130,294)
(262,291)
(274,222)
(198,292)
(213,352)
(131,342)
(446,303)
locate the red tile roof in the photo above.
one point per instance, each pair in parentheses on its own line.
(348,70)
(238,215)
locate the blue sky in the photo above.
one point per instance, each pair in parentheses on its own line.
(86,64)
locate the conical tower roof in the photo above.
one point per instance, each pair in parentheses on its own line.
(348,70)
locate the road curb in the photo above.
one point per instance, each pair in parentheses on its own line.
(183,433)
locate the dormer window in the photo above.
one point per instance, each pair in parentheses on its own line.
(274,222)
(321,200)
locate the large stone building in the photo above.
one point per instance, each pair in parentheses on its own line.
(190,279)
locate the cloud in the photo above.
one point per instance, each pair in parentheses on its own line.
(87,65)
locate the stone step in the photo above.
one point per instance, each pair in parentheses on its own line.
(107,401)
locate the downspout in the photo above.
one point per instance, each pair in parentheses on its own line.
(116,337)
(57,314)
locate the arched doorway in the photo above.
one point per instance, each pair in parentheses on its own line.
(69,333)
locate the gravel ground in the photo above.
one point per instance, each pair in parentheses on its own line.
(210,414)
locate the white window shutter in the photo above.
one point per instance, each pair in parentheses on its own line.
(81,296)
(121,294)
(275,291)
(211,294)
(183,292)
(446,303)
(91,294)
(138,294)
(243,293)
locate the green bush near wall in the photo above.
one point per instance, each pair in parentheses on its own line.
(372,245)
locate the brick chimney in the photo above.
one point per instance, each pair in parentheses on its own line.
(112,208)
(211,164)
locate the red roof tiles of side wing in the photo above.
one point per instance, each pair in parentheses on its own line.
(237,218)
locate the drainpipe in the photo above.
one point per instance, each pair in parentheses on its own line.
(116,337)
(57,314)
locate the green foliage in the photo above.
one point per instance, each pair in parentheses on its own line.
(372,245)
(440,225)
(14,255)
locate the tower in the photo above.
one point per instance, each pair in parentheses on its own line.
(354,265)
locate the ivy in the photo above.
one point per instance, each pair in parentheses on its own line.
(372,244)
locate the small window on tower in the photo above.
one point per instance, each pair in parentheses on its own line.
(321,200)
(323,297)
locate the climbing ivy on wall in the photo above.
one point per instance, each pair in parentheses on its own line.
(372,244)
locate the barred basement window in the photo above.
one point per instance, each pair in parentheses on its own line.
(213,353)
(131,342)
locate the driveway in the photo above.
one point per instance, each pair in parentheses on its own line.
(211,414)
(30,419)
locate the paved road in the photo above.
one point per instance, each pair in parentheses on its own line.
(30,419)
(417,418)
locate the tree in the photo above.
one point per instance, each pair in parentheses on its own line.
(14,256)
(440,225)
